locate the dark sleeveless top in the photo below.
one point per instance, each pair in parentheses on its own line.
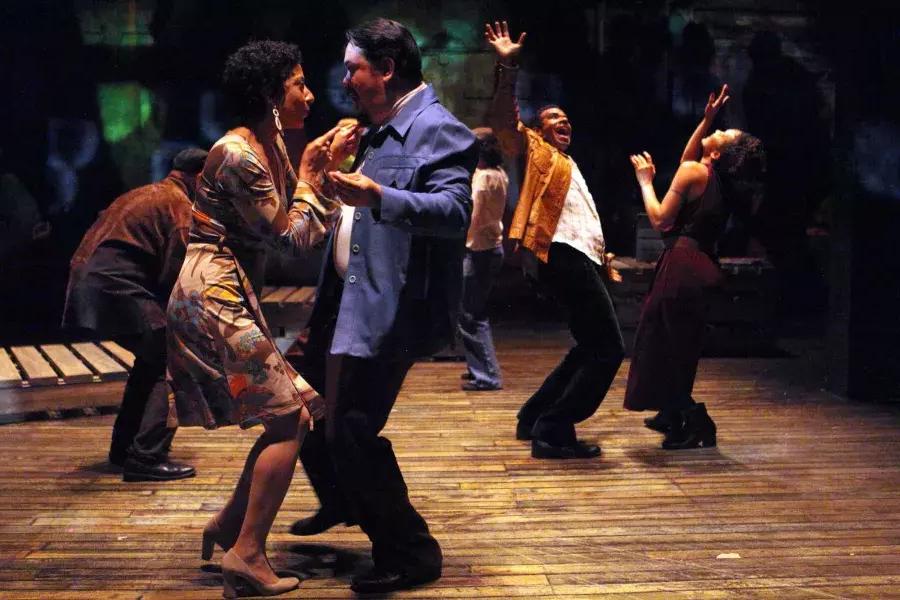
(702,219)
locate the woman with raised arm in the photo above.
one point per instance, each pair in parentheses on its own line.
(224,368)
(717,177)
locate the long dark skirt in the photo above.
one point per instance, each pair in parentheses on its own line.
(670,332)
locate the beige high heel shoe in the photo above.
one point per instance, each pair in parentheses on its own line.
(236,572)
(214,536)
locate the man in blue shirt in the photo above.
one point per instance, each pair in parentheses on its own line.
(388,294)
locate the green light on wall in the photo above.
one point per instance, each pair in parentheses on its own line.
(462,35)
(124,108)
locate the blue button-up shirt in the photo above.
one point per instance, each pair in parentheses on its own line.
(404,276)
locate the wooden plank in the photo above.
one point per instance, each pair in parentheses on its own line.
(119,352)
(17,404)
(9,374)
(267,289)
(777,510)
(72,369)
(37,370)
(279,294)
(301,295)
(101,362)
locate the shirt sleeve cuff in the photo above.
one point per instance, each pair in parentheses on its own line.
(392,205)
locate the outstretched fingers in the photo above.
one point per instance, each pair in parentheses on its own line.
(723,96)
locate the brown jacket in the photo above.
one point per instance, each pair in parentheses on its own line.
(548,171)
(123,271)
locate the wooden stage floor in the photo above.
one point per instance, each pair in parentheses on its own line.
(801,499)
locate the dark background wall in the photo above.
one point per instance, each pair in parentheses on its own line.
(99,94)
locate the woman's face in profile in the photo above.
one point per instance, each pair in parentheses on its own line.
(297,98)
(719,140)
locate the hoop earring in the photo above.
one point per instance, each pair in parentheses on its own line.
(277,120)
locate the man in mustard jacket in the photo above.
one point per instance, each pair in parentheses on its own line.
(556,220)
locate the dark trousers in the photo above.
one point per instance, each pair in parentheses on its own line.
(576,387)
(352,469)
(140,430)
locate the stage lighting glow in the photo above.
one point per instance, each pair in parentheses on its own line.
(124,107)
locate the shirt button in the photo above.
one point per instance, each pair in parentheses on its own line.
(370,154)
(355,248)
(352,279)
(357,216)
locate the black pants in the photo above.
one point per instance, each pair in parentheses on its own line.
(352,469)
(140,430)
(577,386)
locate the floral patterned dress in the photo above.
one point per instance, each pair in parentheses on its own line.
(223,366)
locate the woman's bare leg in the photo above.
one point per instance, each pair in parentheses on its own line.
(261,490)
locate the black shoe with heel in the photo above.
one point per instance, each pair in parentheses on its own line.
(694,429)
(577,449)
(523,430)
(661,422)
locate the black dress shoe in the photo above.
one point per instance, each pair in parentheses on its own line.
(323,520)
(661,422)
(541,449)
(135,470)
(477,386)
(695,429)
(117,458)
(523,430)
(378,581)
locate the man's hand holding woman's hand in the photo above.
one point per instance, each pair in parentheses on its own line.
(316,156)
(355,189)
(344,144)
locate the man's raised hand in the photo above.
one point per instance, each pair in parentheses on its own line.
(497,35)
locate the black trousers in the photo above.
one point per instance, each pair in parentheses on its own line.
(576,387)
(140,430)
(351,467)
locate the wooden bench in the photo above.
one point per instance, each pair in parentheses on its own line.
(287,308)
(54,377)
(49,378)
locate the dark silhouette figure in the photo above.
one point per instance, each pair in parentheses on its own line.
(797,143)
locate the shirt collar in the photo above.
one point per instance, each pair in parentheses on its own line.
(408,107)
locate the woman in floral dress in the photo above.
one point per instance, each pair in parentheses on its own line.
(224,368)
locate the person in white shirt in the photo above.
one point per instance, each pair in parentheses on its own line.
(484,257)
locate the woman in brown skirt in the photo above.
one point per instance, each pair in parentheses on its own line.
(691,217)
(224,368)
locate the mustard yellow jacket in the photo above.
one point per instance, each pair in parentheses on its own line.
(548,171)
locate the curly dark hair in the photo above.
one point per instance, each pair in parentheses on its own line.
(254,76)
(741,168)
(383,38)
(488,147)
